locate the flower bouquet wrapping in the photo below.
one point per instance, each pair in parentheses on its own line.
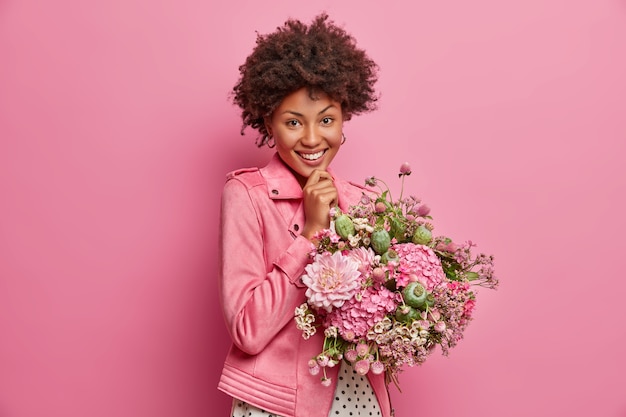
(384,289)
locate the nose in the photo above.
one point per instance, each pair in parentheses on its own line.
(311,137)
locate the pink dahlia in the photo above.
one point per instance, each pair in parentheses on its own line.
(365,258)
(331,280)
(418,262)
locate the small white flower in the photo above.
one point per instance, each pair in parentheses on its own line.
(330,332)
(301,311)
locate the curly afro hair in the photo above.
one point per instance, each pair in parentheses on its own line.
(321,56)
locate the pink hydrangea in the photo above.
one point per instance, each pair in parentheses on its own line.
(359,314)
(418,262)
(331,280)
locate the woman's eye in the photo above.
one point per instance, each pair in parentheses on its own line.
(293,123)
(327,120)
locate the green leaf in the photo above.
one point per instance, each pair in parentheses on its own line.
(471,275)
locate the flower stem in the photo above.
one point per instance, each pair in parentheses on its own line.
(382,190)
(401,188)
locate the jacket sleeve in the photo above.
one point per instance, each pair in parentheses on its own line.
(256,303)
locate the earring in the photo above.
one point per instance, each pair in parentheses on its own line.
(343,138)
(270,142)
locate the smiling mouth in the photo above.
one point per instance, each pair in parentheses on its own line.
(312,156)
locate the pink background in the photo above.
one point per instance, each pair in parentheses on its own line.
(116,133)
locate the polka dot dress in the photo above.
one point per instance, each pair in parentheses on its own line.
(243,409)
(353,397)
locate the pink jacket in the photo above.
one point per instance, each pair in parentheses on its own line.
(262,257)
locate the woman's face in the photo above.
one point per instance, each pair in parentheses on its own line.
(307,132)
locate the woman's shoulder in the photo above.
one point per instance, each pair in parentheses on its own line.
(249,176)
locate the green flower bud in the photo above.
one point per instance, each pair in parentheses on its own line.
(430,300)
(344,226)
(390,255)
(414,294)
(380,241)
(406,314)
(422,236)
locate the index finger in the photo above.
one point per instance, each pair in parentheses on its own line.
(319,174)
(316,176)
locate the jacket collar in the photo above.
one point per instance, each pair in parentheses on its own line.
(281,183)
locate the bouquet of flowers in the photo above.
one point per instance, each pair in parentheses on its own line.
(384,289)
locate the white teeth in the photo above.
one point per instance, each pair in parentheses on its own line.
(312,156)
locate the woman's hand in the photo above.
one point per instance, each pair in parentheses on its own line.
(320,195)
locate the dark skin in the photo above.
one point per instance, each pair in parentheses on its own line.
(320,195)
(306,124)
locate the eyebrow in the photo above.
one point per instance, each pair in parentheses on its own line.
(295,113)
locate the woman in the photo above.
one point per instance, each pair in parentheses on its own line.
(296,88)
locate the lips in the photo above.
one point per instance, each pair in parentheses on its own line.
(312,156)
